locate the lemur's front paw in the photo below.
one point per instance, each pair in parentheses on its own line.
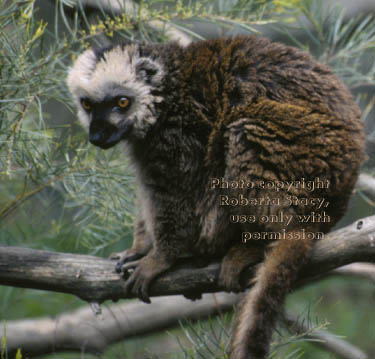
(130,255)
(143,272)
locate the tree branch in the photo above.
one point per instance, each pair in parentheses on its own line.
(132,9)
(362,270)
(323,338)
(95,280)
(81,330)
(366,183)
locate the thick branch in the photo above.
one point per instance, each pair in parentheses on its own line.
(95,280)
(81,330)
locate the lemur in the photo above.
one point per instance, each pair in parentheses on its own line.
(229,109)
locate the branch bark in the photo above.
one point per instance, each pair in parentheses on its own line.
(83,331)
(94,279)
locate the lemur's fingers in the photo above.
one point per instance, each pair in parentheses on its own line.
(145,270)
(124,257)
(137,283)
(126,268)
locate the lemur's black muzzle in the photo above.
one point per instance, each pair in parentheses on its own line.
(104,134)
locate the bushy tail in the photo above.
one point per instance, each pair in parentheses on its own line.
(259,309)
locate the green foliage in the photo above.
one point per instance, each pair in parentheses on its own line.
(3,353)
(208,339)
(140,21)
(19,354)
(43,162)
(341,43)
(3,348)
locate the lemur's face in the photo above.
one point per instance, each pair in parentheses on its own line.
(115,93)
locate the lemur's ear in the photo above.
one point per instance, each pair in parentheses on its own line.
(81,71)
(149,70)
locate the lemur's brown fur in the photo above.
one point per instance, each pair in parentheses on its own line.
(238,108)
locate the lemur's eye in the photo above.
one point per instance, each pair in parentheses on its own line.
(123,102)
(86,104)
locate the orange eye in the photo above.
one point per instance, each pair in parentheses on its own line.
(123,102)
(86,105)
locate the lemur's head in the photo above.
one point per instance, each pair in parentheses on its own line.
(115,90)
